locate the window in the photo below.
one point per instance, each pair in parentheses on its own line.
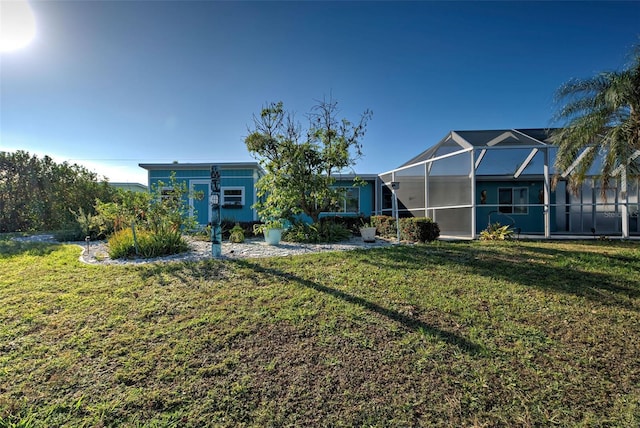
(168,194)
(232,197)
(351,201)
(513,200)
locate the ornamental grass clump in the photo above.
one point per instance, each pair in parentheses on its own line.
(146,244)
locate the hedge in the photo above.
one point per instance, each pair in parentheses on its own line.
(414,229)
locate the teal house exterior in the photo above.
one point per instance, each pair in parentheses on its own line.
(360,198)
(238,191)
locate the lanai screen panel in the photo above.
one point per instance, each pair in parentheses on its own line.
(411,193)
(450,181)
(450,184)
(386,194)
(506,161)
(632,195)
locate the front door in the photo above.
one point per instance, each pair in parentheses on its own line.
(199,201)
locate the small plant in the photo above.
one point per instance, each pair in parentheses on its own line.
(496,232)
(364,223)
(269,224)
(236,234)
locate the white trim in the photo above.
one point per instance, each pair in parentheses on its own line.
(528,137)
(460,140)
(500,138)
(620,168)
(473,198)
(576,162)
(526,163)
(225,188)
(480,157)
(546,196)
(450,207)
(448,155)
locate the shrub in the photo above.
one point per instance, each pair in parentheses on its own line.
(385,225)
(420,229)
(416,229)
(236,234)
(322,231)
(150,244)
(352,223)
(496,232)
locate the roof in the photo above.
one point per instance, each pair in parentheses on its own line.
(466,140)
(129,186)
(201,165)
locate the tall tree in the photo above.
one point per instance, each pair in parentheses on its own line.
(601,122)
(301,166)
(40,194)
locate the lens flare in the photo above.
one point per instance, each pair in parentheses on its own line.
(17,25)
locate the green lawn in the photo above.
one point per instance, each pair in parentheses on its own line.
(446,334)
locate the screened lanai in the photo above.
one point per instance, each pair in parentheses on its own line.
(473,178)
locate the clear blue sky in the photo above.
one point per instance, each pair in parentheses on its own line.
(110,84)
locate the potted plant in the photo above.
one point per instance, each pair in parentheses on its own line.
(368,232)
(272,230)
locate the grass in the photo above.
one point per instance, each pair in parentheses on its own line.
(447,334)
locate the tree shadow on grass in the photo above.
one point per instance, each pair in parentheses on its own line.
(183,271)
(407,321)
(529,266)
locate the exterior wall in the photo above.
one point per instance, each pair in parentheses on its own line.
(199,181)
(532,222)
(366,206)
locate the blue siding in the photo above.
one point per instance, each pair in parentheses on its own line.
(198,179)
(532,222)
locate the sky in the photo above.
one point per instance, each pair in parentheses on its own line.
(111,84)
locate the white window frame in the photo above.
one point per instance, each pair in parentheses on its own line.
(224,197)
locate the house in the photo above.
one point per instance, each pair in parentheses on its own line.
(238,192)
(472,178)
(237,182)
(133,187)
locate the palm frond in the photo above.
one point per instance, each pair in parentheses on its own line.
(602,112)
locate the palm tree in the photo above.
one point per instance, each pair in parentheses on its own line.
(601,121)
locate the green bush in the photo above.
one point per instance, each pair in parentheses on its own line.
(352,223)
(385,225)
(323,231)
(415,229)
(150,244)
(420,229)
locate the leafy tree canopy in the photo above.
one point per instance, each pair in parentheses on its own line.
(40,194)
(301,165)
(601,118)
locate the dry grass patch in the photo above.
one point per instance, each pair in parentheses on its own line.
(509,334)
